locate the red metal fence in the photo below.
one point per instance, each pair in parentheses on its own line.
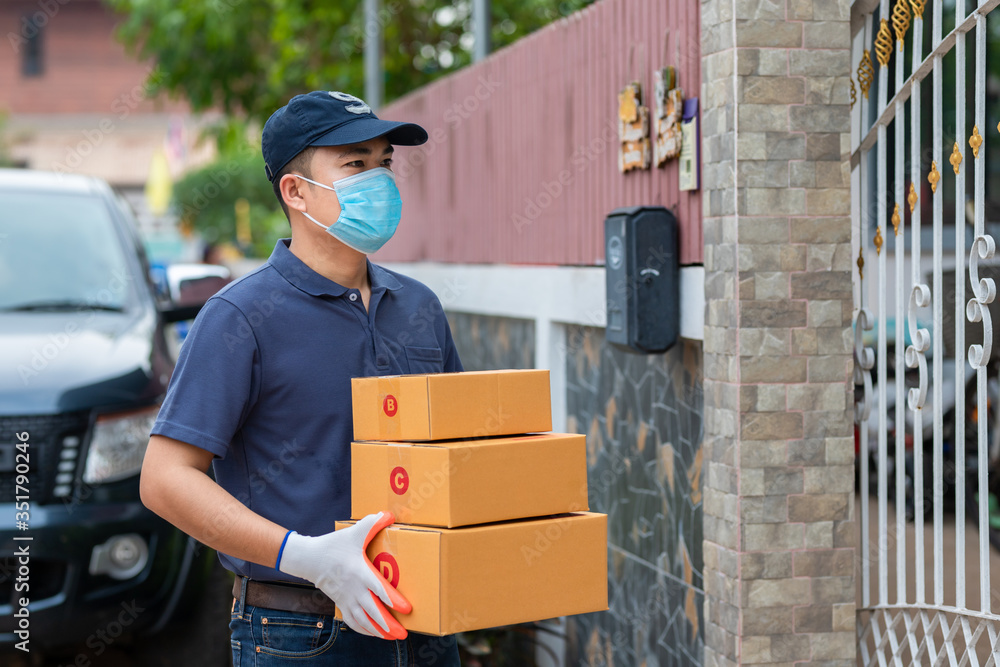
(522,161)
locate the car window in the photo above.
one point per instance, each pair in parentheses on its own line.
(60,250)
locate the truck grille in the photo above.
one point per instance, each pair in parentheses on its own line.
(49,435)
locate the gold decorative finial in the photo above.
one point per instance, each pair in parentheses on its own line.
(896,220)
(956,159)
(918,8)
(912,198)
(878,240)
(934,177)
(854,93)
(883,43)
(861,263)
(976,140)
(901,20)
(866,74)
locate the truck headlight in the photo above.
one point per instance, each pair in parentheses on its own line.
(118,445)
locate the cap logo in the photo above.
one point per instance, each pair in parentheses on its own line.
(359,107)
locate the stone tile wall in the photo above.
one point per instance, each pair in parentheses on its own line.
(487,343)
(642,415)
(778,448)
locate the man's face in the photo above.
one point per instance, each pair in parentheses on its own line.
(332,163)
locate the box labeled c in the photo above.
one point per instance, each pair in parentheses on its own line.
(399,480)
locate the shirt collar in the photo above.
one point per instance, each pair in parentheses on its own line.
(381,279)
(296,272)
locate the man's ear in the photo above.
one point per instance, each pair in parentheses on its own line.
(290,187)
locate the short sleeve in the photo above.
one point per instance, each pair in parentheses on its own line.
(215,382)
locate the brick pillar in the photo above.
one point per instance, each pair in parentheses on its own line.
(779,450)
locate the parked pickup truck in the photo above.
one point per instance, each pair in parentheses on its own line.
(84,366)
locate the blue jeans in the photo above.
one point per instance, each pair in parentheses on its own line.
(273,638)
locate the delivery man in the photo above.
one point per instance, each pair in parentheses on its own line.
(262,392)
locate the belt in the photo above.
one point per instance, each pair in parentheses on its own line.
(285,597)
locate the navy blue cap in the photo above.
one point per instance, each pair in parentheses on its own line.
(327,118)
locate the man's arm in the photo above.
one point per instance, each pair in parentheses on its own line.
(175,485)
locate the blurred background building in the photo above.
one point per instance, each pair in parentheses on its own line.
(77,102)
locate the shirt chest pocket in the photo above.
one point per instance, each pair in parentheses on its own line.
(424,359)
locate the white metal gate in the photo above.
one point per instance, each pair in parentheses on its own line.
(932,448)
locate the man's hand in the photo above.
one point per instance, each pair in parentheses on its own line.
(337,564)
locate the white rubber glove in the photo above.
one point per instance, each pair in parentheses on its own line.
(337,564)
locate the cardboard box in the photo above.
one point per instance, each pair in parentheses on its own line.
(483,576)
(462,482)
(451,405)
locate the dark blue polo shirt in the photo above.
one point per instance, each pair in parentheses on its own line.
(263,381)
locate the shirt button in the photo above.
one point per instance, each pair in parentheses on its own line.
(354,297)
(382,361)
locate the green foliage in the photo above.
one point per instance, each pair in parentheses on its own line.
(248,57)
(206,198)
(251,56)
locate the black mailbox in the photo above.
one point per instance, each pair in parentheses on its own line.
(643,278)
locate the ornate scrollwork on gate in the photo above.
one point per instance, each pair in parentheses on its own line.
(976,140)
(901,21)
(864,361)
(956,159)
(917,624)
(920,297)
(985,291)
(866,74)
(883,43)
(934,177)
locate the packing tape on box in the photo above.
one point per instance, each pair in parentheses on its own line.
(398,492)
(387,405)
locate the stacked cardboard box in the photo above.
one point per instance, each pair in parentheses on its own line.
(491,523)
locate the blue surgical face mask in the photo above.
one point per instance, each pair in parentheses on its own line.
(370,208)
